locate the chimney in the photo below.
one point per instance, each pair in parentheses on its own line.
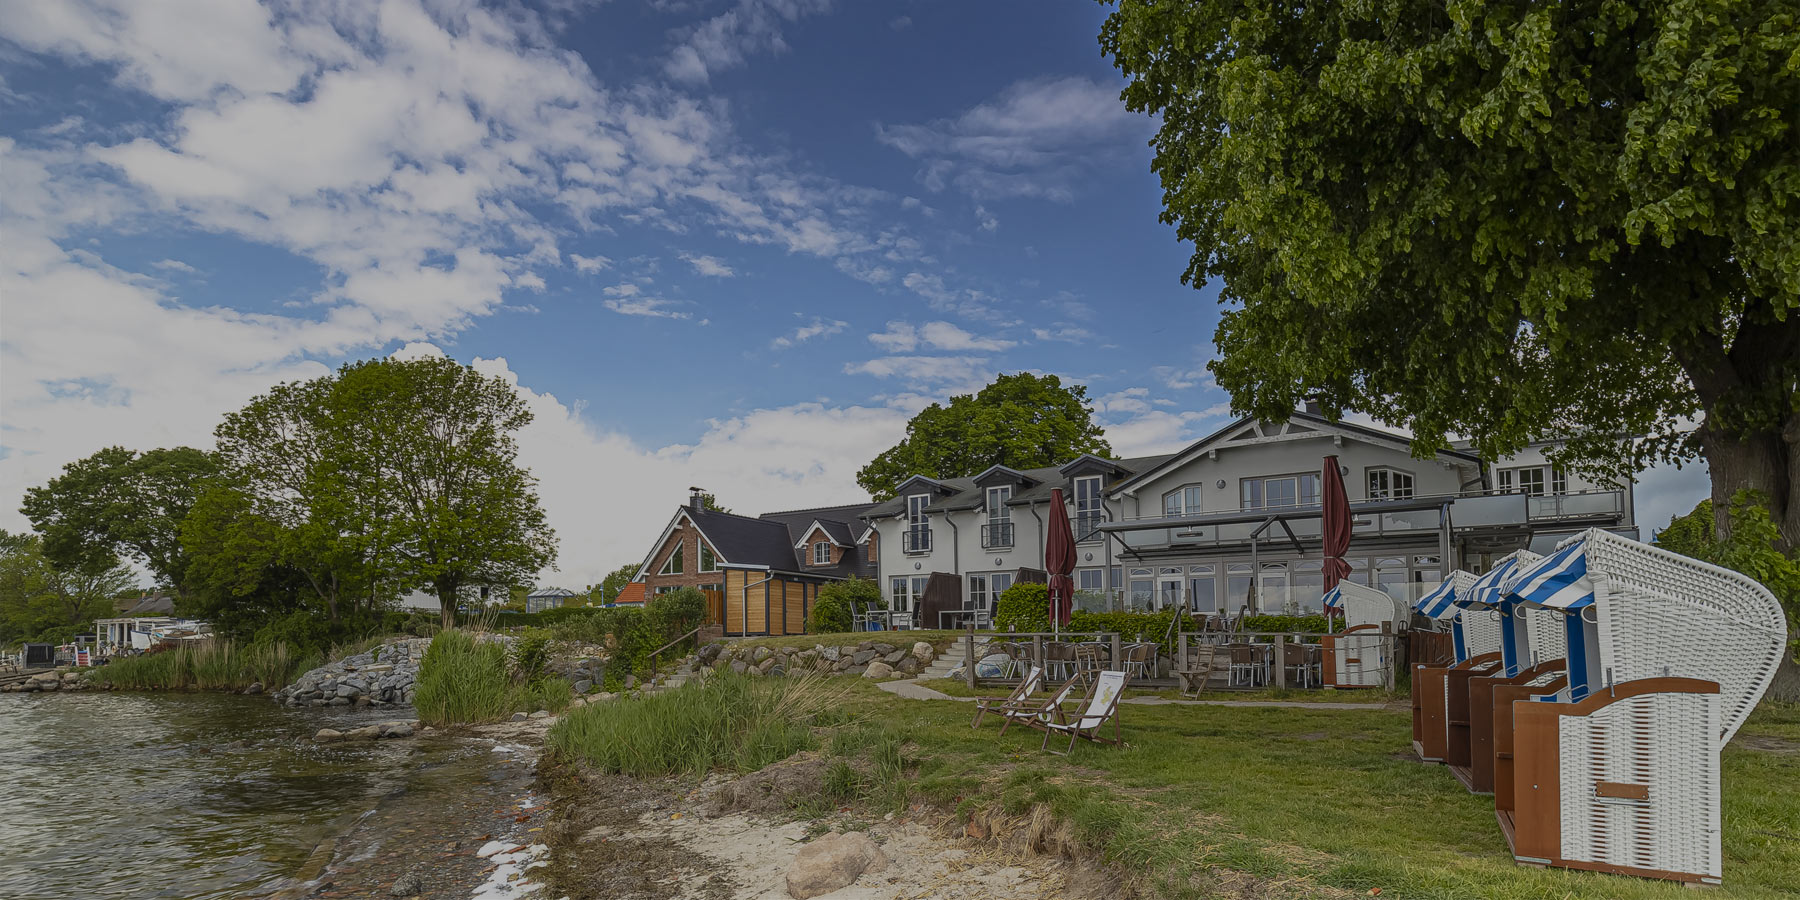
(1312,406)
(696,501)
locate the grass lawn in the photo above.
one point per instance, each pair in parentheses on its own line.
(937,639)
(1284,802)
(957,688)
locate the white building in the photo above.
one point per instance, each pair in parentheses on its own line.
(1232,521)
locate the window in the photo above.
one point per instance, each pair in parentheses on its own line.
(1309,586)
(985,590)
(1183,501)
(1202,589)
(1390,484)
(821,553)
(1141,590)
(872,549)
(906,592)
(1272,591)
(918,525)
(1279,491)
(718,588)
(673,566)
(667,588)
(1090,580)
(1237,587)
(978,592)
(1090,510)
(1533,480)
(709,562)
(998,530)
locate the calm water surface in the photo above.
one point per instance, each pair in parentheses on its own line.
(187,795)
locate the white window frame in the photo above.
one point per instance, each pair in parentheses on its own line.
(821,553)
(918,521)
(1089,508)
(675,564)
(1189,500)
(998,514)
(1262,491)
(1389,487)
(1551,481)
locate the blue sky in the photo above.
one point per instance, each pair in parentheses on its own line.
(731,243)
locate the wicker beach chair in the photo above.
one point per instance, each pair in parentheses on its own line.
(1359,656)
(1480,648)
(1618,771)
(1430,727)
(1031,684)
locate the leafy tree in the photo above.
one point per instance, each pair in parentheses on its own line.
(1022,421)
(614,582)
(118,502)
(1509,221)
(37,597)
(708,501)
(834,608)
(1750,548)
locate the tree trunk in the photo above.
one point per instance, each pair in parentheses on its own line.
(1786,686)
(1765,463)
(1751,431)
(447,590)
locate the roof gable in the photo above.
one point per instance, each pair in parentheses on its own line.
(997,475)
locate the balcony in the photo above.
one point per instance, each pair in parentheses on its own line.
(916,540)
(1087,526)
(997,536)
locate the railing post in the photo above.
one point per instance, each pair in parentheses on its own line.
(1181,660)
(1037,651)
(1391,644)
(1281,661)
(1118,666)
(969,656)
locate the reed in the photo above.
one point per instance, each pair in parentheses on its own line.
(462,681)
(206,666)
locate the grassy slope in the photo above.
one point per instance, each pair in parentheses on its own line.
(937,639)
(1310,798)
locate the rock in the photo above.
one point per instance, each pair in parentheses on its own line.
(327,735)
(256,687)
(862,657)
(49,685)
(540,714)
(396,729)
(71,677)
(630,682)
(365,733)
(882,648)
(762,668)
(762,653)
(910,666)
(894,658)
(832,862)
(737,665)
(407,886)
(829,654)
(777,671)
(347,691)
(878,669)
(583,686)
(339,701)
(518,717)
(865,645)
(923,652)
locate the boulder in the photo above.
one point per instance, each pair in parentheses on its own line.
(583,686)
(540,714)
(829,654)
(894,658)
(832,862)
(762,653)
(923,652)
(862,657)
(396,729)
(327,735)
(365,733)
(518,717)
(909,666)
(407,886)
(878,669)
(737,665)
(256,687)
(883,648)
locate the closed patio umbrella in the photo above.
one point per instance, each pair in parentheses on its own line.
(1059,562)
(1335,512)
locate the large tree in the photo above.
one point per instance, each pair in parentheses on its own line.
(1022,421)
(1505,220)
(615,581)
(39,599)
(118,502)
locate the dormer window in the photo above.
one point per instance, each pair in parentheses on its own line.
(821,553)
(1090,509)
(918,524)
(673,565)
(997,532)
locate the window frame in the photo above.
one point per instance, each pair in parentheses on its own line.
(1551,480)
(1096,513)
(1191,500)
(675,565)
(1261,484)
(821,549)
(918,521)
(709,560)
(1390,492)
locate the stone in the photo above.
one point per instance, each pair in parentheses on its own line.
(407,886)
(909,666)
(865,645)
(883,648)
(396,729)
(583,686)
(365,733)
(777,671)
(256,687)
(862,657)
(327,735)
(518,717)
(540,714)
(832,862)
(878,669)
(630,682)
(763,667)
(762,653)
(894,658)
(339,701)
(923,652)
(347,691)
(737,665)
(362,700)
(829,654)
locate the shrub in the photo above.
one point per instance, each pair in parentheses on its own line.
(462,681)
(1314,624)
(1023,607)
(676,613)
(729,722)
(836,602)
(634,638)
(531,652)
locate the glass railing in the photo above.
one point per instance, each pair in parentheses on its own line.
(1467,511)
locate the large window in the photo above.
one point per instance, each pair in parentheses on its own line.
(821,553)
(997,531)
(1183,501)
(709,561)
(985,589)
(1390,484)
(1090,589)
(1237,587)
(1090,509)
(1308,591)
(1203,596)
(905,593)
(674,565)
(918,525)
(1140,590)
(1278,491)
(1534,480)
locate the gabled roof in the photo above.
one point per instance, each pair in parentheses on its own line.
(998,474)
(631,593)
(966,494)
(1088,462)
(550,592)
(768,541)
(836,532)
(1247,430)
(840,524)
(936,485)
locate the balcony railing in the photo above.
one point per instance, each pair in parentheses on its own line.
(996,535)
(1086,524)
(916,540)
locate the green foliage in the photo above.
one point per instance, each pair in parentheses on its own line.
(634,636)
(531,652)
(1023,607)
(837,602)
(550,692)
(41,602)
(207,666)
(614,582)
(676,613)
(1023,421)
(1310,624)
(463,681)
(118,502)
(1501,220)
(727,722)
(1750,548)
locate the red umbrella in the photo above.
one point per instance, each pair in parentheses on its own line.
(1059,560)
(1336,514)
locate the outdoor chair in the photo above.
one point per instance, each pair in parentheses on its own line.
(1139,659)
(1618,771)
(1031,684)
(1034,713)
(1059,658)
(1090,658)
(1430,682)
(1480,643)
(1294,661)
(1102,707)
(1246,665)
(1360,655)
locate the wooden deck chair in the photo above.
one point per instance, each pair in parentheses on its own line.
(1102,707)
(1030,684)
(1034,713)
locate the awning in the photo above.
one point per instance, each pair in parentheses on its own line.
(1560,581)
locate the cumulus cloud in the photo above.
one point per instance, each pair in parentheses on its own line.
(728,39)
(817,328)
(710,266)
(950,374)
(588,265)
(903,336)
(174,265)
(1037,138)
(1064,332)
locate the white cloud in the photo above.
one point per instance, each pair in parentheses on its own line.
(588,265)
(903,336)
(818,328)
(710,266)
(1064,332)
(175,265)
(950,373)
(727,40)
(985,219)
(1180,378)
(1036,139)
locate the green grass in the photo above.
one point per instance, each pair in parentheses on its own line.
(726,722)
(207,666)
(1303,801)
(463,681)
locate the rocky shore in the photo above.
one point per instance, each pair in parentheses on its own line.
(56,680)
(381,676)
(869,659)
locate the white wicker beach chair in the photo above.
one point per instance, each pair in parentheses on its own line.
(1667,656)
(1429,681)
(1360,655)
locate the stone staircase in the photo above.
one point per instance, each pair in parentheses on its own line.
(953,657)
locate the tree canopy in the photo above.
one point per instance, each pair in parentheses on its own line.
(119,502)
(615,581)
(40,601)
(1506,221)
(1022,421)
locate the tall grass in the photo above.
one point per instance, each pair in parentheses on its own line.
(729,722)
(462,680)
(207,666)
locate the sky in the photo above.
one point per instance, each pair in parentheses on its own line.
(733,244)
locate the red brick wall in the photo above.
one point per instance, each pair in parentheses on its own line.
(688,537)
(818,534)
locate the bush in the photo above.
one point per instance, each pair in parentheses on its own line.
(462,681)
(677,612)
(1315,624)
(836,602)
(729,722)
(634,637)
(1023,607)
(1750,550)
(531,652)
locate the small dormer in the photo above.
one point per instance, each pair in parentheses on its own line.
(922,484)
(996,476)
(1089,477)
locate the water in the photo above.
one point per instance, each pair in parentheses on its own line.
(193,795)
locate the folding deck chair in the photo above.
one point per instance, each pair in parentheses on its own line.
(1102,707)
(1030,684)
(1034,713)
